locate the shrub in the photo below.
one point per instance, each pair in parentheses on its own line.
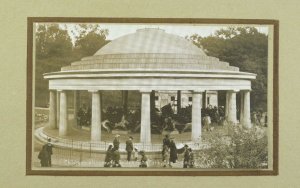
(239,148)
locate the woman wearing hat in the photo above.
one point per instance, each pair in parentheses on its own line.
(44,157)
(116,142)
(173,151)
(108,156)
(116,158)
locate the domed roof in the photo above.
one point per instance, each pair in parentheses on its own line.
(150,40)
(150,49)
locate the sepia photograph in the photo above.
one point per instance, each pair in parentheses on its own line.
(152,97)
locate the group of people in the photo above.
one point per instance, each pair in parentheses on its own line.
(112,157)
(259,118)
(170,153)
(45,154)
(84,116)
(188,161)
(215,113)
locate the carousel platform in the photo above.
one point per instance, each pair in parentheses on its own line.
(79,139)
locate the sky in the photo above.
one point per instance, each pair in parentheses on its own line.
(183,30)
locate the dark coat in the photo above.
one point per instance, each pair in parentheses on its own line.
(166,142)
(191,159)
(186,156)
(173,152)
(116,143)
(129,146)
(108,156)
(116,156)
(143,162)
(49,148)
(44,157)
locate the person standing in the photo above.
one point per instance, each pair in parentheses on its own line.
(116,158)
(173,151)
(166,141)
(116,142)
(135,154)
(186,156)
(108,156)
(44,157)
(191,158)
(207,122)
(166,156)
(49,147)
(129,148)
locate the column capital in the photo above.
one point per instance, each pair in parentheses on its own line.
(145,90)
(93,91)
(233,90)
(246,90)
(60,90)
(198,91)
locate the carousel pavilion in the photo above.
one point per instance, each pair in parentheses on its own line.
(147,60)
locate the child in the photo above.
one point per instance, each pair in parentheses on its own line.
(143,160)
(135,154)
(108,157)
(166,156)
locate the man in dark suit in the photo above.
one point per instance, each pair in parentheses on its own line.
(116,142)
(48,148)
(129,148)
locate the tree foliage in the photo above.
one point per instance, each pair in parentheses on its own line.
(243,47)
(52,41)
(90,39)
(54,49)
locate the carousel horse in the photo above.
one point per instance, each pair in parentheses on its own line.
(105,124)
(122,124)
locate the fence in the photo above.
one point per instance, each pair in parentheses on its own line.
(70,153)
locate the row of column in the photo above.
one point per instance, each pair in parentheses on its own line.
(58,114)
(231,111)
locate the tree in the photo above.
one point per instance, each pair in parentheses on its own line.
(90,39)
(52,41)
(53,50)
(243,47)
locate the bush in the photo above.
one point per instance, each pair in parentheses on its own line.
(239,148)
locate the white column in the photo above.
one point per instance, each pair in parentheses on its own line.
(75,105)
(196,116)
(52,110)
(145,117)
(226,106)
(242,107)
(57,108)
(232,107)
(246,110)
(63,114)
(96,116)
